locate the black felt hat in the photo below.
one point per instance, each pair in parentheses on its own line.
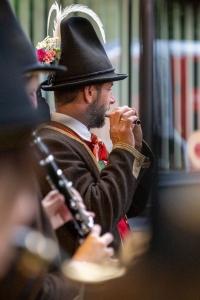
(83,55)
(18,45)
(17,117)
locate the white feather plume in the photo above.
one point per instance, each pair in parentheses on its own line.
(57,20)
(63,13)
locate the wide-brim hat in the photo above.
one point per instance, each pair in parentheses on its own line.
(44,69)
(84,56)
(17,117)
(19,46)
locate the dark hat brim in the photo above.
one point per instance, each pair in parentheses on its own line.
(47,86)
(48,69)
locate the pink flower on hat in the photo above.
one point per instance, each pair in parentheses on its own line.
(40,54)
(50,56)
(48,50)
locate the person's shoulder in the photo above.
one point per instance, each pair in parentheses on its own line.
(47,130)
(57,136)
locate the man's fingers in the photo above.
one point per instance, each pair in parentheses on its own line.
(130,121)
(107,238)
(52,202)
(116,114)
(65,213)
(96,229)
(90,213)
(110,251)
(134,110)
(54,195)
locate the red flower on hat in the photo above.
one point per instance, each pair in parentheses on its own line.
(46,56)
(40,54)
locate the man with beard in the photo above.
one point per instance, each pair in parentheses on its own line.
(113,185)
(25,227)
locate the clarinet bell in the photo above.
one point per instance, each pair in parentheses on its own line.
(86,272)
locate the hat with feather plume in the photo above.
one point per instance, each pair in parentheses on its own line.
(81,50)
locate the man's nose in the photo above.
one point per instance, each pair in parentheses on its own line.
(112,98)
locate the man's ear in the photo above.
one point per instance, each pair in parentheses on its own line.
(89,93)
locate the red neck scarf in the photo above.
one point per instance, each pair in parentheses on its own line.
(97,147)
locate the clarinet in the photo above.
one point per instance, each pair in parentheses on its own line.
(54,175)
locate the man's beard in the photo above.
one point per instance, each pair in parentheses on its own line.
(96,113)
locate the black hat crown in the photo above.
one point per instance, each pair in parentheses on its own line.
(17,118)
(84,56)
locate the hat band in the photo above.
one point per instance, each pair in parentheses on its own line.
(84,76)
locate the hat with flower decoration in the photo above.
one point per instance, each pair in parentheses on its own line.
(18,45)
(17,117)
(81,50)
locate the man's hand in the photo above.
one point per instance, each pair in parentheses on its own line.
(122,128)
(95,247)
(56,209)
(137,132)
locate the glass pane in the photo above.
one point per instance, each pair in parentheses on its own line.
(135,54)
(177,82)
